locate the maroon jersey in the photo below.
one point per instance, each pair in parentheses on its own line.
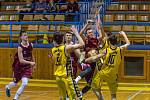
(23,70)
(91,43)
(75,64)
(27,52)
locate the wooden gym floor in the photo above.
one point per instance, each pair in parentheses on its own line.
(47,90)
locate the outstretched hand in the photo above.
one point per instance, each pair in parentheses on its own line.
(74,29)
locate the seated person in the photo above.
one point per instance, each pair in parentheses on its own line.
(41,6)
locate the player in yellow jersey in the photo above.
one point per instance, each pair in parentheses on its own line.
(109,69)
(62,64)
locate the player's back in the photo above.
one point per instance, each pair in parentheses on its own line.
(60,60)
(112,60)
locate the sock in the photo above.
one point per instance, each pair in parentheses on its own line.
(11,84)
(21,88)
(77,79)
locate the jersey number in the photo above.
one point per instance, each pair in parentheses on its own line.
(111,59)
(58,59)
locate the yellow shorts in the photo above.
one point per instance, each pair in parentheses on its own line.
(65,85)
(111,81)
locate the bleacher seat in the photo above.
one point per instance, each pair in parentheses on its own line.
(143,18)
(147,28)
(5,28)
(113,7)
(139,28)
(123,7)
(50,17)
(119,17)
(127,28)
(144,7)
(14,17)
(134,7)
(38,17)
(28,17)
(65,28)
(115,28)
(108,18)
(10,8)
(131,17)
(32,28)
(16,27)
(59,18)
(43,28)
(4,17)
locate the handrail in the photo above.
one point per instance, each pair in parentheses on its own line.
(24,3)
(127,23)
(131,2)
(45,13)
(41,23)
(127,12)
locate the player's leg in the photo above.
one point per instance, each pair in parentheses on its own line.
(70,88)
(86,70)
(61,87)
(88,79)
(21,88)
(17,78)
(113,85)
(96,85)
(8,87)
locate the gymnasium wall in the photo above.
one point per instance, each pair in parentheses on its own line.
(44,68)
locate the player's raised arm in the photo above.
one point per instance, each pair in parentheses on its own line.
(80,41)
(126,40)
(99,27)
(82,31)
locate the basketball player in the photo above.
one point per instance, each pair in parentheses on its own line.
(109,70)
(91,44)
(62,65)
(74,55)
(23,66)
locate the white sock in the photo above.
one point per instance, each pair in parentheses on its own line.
(77,79)
(11,84)
(21,88)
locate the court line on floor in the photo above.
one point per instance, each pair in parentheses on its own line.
(134,95)
(28,97)
(27,91)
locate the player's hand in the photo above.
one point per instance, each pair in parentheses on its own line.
(74,29)
(90,21)
(122,33)
(32,63)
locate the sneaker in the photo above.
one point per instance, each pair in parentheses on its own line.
(7,92)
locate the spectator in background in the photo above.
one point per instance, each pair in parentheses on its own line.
(41,6)
(72,7)
(26,9)
(52,5)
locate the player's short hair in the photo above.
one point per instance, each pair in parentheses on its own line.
(58,38)
(112,39)
(21,32)
(69,32)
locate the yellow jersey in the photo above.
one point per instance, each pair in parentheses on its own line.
(112,61)
(60,60)
(99,63)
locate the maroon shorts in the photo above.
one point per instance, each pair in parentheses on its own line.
(20,72)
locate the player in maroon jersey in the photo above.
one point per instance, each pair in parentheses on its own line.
(91,44)
(23,66)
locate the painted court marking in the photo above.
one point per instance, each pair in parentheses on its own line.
(134,95)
